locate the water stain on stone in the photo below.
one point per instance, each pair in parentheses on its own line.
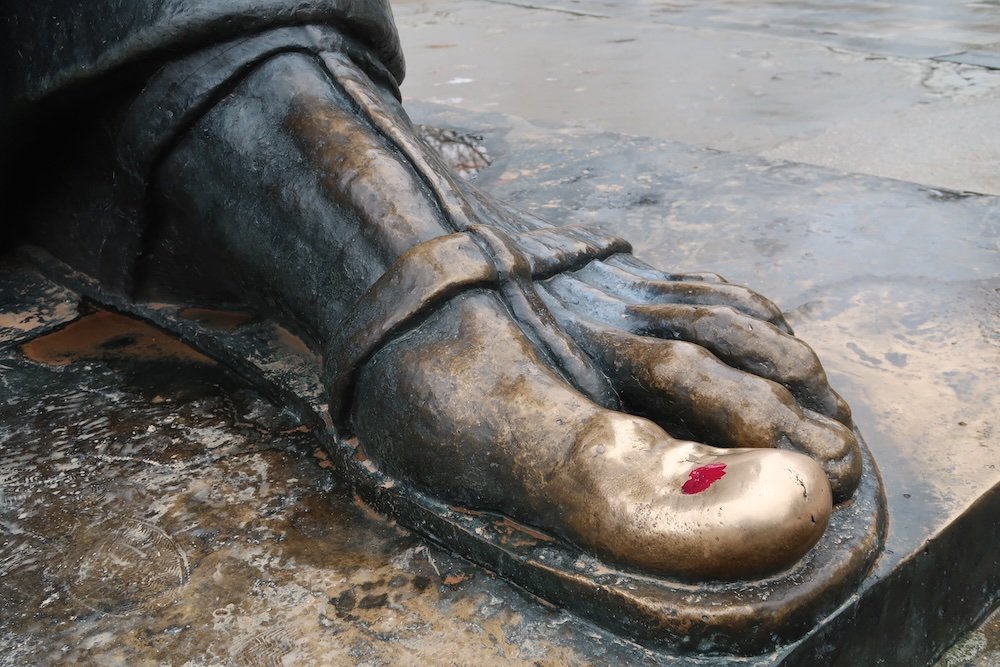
(120,564)
(103,334)
(864,356)
(119,342)
(897,359)
(267,649)
(373,601)
(456,579)
(344,602)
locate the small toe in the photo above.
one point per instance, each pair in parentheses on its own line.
(749,345)
(743,342)
(633,290)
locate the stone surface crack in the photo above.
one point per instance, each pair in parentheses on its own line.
(549,8)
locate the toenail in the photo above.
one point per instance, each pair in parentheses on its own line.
(703,477)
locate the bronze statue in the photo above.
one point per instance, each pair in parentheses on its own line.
(256,151)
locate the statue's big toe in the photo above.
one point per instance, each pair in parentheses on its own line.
(647,501)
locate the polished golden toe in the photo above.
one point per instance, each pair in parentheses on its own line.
(647,501)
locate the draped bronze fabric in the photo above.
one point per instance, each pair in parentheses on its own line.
(47,46)
(68,68)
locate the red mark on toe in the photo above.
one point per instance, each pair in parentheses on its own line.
(704,477)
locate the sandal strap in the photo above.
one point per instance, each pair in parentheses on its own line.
(481,257)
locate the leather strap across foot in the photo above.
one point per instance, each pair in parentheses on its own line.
(431,273)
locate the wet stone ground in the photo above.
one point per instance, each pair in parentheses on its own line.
(155,510)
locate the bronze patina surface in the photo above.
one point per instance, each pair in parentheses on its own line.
(666,430)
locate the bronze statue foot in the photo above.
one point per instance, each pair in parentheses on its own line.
(495,362)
